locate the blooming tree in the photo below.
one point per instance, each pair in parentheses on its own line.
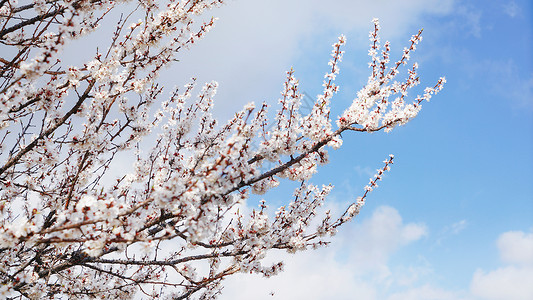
(73,226)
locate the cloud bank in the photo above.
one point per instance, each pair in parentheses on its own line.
(355,266)
(513,281)
(254,42)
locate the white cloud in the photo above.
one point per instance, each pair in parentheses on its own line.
(425,292)
(451,230)
(354,266)
(508,283)
(516,247)
(357,266)
(373,241)
(458,226)
(470,20)
(513,282)
(412,274)
(311,275)
(254,42)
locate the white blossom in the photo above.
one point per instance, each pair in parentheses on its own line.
(105,181)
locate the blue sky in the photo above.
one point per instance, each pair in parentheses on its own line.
(454,217)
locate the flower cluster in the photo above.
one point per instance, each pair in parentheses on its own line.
(373,109)
(78,222)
